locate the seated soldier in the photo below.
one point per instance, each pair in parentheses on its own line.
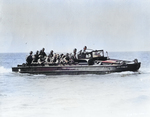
(43,53)
(53,60)
(49,58)
(66,59)
(41,60)
(51,54)
(36,56)
(57,59)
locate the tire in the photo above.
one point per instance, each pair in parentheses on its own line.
(90,62)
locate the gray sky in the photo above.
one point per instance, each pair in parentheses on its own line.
(62,25)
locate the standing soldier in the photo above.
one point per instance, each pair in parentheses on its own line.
(29,59)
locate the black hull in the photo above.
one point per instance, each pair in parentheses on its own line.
(75,69)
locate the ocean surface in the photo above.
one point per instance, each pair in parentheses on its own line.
(125,94)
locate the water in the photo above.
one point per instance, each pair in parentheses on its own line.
(125,94)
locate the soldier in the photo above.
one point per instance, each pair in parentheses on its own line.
(43,53)
(29,59)
(51,54)
(36,56)
(74,53)
(84,49)
(84,52)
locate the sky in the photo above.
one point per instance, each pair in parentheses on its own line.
(62,25)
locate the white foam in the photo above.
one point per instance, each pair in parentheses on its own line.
(4,70)
(126,73)
(39,75)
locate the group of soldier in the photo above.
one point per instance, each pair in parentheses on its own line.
(42,58)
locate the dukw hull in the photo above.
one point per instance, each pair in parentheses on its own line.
(75,69)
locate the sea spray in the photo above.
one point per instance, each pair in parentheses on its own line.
(4,70)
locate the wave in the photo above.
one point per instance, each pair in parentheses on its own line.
(141,72)
(125,74)
(145,71)
(39,75)
(4,70)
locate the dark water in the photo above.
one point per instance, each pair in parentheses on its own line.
(125,94)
